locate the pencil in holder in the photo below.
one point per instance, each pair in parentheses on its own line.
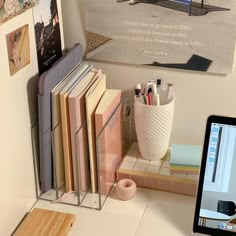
(153,125)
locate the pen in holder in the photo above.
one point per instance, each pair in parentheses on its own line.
(153,125)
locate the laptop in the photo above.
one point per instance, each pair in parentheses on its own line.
(217,180)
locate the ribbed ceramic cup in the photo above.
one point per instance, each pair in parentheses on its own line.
(153,125)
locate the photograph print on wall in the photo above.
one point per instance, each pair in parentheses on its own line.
(18,46)
(196,35)
(47,34)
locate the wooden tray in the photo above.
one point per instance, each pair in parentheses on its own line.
(41,222)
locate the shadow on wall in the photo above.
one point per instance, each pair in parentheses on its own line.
(32,94)
(197,9)
(196,62)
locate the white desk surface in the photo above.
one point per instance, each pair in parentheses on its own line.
(150,212)
(208,214)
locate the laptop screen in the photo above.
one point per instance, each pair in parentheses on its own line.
(215,212)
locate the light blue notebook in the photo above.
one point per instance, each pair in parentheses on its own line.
(185,155)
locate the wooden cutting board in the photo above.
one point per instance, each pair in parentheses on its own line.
(41,222)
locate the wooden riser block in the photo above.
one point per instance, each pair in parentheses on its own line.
(155,174)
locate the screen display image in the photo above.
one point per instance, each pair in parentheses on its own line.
(215,209)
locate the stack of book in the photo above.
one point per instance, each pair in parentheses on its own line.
(86,125)
(185,159)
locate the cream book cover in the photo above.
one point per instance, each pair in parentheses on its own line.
(93,97)
(57,147)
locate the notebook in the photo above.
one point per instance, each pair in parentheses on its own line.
(78,131)
(108,124)
(92,99)
(57,144)
(185,158)
(217,179)
(77,76)
(47,81)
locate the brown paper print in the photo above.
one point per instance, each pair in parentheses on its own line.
(18,49)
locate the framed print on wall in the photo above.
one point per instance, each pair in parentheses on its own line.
(47,34)
(196,35)
(18,45)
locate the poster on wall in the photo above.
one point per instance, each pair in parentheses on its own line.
(196,35)
(11,8)
(18,47)
(47,34)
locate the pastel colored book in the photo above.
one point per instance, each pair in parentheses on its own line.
(185,158)
(57,144)
(92,99)
(108,123)
(78,130)
(76,78)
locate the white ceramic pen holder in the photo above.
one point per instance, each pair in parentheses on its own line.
(153,125)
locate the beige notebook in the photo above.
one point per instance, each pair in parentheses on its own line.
(93,97)
(78,129)
(66,124)
(57,145)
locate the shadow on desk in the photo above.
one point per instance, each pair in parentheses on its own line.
(164,216)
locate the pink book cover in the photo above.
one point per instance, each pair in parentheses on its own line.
(109,137)
(79,135)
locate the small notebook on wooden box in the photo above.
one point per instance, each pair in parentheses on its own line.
(185,159)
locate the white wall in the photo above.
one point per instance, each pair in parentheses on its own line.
(16,174)
(197,94)
(18,103)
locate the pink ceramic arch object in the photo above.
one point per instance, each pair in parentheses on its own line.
(126,189)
